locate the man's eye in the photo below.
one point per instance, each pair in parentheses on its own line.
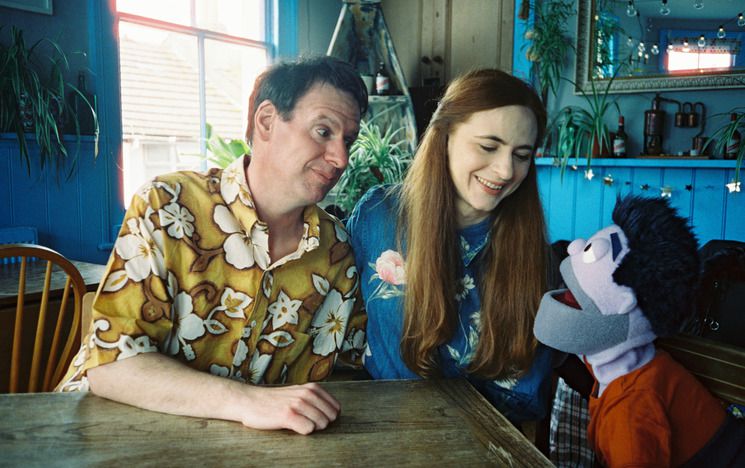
(323,132)
(348,142)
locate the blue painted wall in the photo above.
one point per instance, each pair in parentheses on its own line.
(577,207)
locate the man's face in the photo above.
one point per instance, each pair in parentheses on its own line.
(309,151)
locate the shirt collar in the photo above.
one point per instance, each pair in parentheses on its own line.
(237,195)
(473,239)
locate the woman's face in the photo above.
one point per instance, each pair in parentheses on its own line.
(488,157)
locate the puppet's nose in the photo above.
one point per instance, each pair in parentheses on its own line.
(576,246)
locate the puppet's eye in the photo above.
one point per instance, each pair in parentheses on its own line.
(595,250)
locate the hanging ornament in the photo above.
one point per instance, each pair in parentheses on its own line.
(733,186)
(666,191)
(655,49)
(740,20)
(701,41)
(644,187)
(608,180)
(664,9)
(574,167)
(589,174)
(698,4)
(630,9)
(720,32)
(630,41)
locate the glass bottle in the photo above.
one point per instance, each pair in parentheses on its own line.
(382,81)
(620,139)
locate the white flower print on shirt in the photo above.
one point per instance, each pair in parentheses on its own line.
(233,184)
(465,285)
(330,323)
(284,310)
(178,219)
(186,326)
(258,366)
(233,303)
(243,251)
(142,249)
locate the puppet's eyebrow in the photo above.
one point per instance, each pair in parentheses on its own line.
(615,244)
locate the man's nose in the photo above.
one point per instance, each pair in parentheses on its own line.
(337,154)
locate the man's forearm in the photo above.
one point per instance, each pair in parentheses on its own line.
(158,383)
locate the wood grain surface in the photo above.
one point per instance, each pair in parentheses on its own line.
(383,423)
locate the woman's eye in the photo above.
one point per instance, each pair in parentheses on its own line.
(488,149)
(523,156)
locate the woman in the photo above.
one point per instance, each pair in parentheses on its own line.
(453,286)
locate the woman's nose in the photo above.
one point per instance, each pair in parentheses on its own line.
(502,166)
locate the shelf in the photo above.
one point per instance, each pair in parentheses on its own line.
(672,161)
(388,98)
(32,137)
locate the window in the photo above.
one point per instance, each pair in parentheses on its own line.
(712,54)
(183,64)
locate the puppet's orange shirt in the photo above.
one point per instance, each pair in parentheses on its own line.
(658,415)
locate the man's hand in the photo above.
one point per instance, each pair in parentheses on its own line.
(300,408)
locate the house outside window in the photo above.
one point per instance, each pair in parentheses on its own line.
(185,64)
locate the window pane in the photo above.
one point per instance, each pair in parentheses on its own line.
(160,103)
(242,18)
(173,11)
(230,73)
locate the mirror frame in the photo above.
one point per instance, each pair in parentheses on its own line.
(585,29)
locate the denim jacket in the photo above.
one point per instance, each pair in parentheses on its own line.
(372,227)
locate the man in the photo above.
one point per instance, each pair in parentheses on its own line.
(237,273)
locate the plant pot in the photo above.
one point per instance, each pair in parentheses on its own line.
(26,112)
(601,152)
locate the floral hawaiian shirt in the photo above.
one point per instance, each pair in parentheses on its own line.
(382,282)
(191,277)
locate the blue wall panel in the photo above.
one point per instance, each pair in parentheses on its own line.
(577,207)
(69,213)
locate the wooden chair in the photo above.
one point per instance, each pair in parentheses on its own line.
(44,373)
(719,366)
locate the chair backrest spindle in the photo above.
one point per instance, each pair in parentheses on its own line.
(46,368)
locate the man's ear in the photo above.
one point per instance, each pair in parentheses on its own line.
(264,119)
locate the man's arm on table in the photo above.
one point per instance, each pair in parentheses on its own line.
(158,383)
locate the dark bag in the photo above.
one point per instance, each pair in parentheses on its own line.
(721,296)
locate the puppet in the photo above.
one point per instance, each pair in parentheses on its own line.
(629,283)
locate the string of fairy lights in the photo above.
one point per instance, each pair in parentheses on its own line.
(701,41)
(666,191)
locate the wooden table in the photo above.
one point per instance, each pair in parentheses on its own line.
(91,272)
(383,423)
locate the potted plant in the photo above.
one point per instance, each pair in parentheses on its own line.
(726,135)
(581,130)
(31,104)
(222,152)
(376,157)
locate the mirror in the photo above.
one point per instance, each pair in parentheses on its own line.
(653,45)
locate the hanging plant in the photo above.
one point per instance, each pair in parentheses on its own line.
(549,44)
(37,106)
